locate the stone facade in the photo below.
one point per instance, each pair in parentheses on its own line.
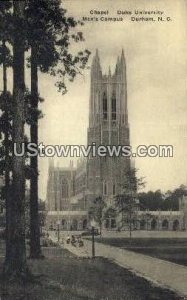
(108,125)
(162,220)
(71,191)
(67,197)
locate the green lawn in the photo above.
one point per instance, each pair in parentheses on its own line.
(174,250)
(66,277)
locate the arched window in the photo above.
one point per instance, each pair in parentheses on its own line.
(153,224)
(74,224)
(84,224)
(114,189)
(113,223)
(113,107)
(97,102)
(165,224)
(105,107)
(64,188)
(142,224)
(104,188)
(176,225)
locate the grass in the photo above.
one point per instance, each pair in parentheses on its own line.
(66,277)
(174,250)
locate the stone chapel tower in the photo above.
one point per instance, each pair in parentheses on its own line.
(108,125)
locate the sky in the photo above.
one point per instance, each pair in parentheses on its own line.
(156,58)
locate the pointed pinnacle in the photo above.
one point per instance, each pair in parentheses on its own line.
(109,71)
(97,59)
(122,56)
(117,62)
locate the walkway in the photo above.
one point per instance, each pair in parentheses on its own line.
(164,273)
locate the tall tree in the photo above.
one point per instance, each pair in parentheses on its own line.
(5,105)
(49,39)
(96,211)
(16,265)
(41,43)
(126,202)
(157,200)
(5,119)
(151,200)
(35,249)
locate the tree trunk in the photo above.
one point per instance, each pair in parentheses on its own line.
(130,226)
(35,249)
(130,215)
(16,265)
(100,228)
(4,68)
(7,172)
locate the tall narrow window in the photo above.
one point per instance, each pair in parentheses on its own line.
(105,108)
(114,189)
(64,188)
(113,107)
(104,188)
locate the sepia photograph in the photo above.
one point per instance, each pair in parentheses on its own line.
(93,149)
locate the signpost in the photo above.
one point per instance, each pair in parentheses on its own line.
(93,224)
(58,230)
